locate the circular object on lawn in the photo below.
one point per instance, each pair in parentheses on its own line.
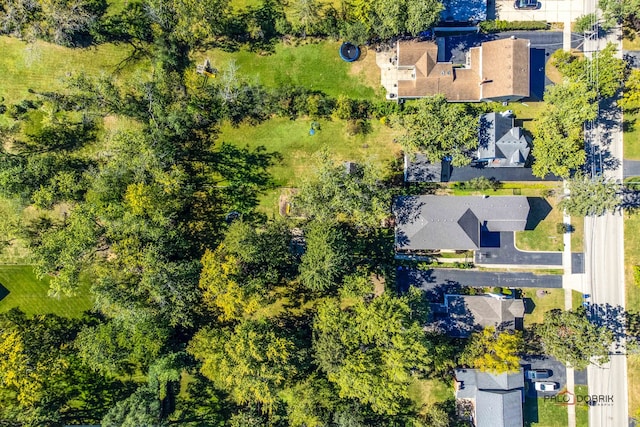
(349,52)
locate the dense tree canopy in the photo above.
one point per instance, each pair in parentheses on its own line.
(493,351)
(334,193)
(370,350)
(558,147)
(591,196)
(440,129)
(569,336)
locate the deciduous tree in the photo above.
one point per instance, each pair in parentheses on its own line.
(569,336)
(591,196)
(493,351)
(440,129)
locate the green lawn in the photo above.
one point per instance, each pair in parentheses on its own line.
(538,413)
(316,66)
(292,140)
(425,393)
(44,66)
(632,303)
(545,236)
(632,135)
(582,409)
(30,294)
(538,305)
(577,236)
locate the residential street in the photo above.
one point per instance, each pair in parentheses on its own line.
(604,260)
(451,277)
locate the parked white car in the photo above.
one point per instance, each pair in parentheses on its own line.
(546,386)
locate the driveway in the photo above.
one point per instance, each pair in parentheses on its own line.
(630,168)
(550,11)
(507,253)
(438,280)
(499,174)
(557,368)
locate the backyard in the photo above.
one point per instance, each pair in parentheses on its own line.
(316,66)
(42,66)
(19,287)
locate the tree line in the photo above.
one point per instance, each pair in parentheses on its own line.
(198,24)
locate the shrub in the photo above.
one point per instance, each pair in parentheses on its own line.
(636,274)
(498,26)
(586,23)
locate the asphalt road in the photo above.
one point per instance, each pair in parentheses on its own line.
(604,262)
(444,278)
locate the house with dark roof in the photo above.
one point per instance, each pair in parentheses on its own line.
(460,315)
(427,223)
(497,70)
(496,399)
(500,142)
(417,168)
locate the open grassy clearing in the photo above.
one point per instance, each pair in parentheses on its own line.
(44,66)
(425,393)
(316,66)
(21,288)
(536,305)
(291,139)
(632,135)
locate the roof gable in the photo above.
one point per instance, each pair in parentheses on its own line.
(453,222)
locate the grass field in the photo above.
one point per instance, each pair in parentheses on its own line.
(44,66)
(632,303)
(577,236)
(538,413)
(30,294)
(545,236)
(316,66)
(582,409)
(425,393)
(632,135)
(554,298)
(292,140)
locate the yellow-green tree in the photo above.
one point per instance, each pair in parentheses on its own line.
(492,351)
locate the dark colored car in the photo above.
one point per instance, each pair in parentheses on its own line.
(527,4)
(537,374)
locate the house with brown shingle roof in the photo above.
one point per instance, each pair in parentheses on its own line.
(497,70)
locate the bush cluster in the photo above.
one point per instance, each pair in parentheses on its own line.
(498,26)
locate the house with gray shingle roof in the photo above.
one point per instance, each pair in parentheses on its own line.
(425,223)
(500,142)
(496,398)
(460,315)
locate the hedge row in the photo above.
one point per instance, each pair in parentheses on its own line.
(497,26)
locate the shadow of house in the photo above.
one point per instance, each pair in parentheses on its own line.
(496,398)
(463,314)
(426,223)
(537,75)
(3,292)
(539,209)
(500,142)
